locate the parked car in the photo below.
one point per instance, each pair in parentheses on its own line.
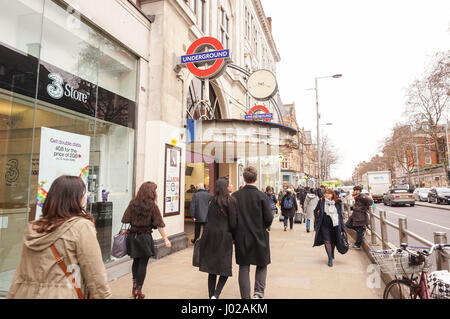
(399,197)
(421,194)
(439,195)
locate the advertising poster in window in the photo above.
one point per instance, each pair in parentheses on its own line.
(172,181)
(61,153)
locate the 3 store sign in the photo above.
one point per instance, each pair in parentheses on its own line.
(196,54)
(57,89)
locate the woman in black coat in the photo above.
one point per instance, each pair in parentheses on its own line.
(328,224)
(216,247)
(289,207)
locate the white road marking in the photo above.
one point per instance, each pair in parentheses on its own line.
(396,213)
(422,221)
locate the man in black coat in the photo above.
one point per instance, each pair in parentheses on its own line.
(199,209)
(252,235)
(360,217)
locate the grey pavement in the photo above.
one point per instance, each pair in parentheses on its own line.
(431,205)
(298,271)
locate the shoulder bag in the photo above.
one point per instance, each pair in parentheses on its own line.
(119,248)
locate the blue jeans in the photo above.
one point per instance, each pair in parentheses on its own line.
(291,222)
(308,224)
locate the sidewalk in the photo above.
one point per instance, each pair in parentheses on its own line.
(430,205)
(297,271)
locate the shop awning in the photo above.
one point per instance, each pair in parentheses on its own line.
(231,139)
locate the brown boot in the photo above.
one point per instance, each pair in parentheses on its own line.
(133,291)
(138,293)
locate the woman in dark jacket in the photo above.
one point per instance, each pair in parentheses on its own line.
(216,247)
(289,207)
(272,199)
(143,214)
(328,223)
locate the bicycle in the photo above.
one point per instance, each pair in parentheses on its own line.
(407,263)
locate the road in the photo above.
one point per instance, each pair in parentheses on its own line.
(423,221)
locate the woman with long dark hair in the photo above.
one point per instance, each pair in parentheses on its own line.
(143,214)
(328,223)
(216,247)
(63,238)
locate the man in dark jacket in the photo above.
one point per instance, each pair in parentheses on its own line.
(252,235)
(199,209)
(360,217)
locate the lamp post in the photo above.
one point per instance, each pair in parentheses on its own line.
(336,76)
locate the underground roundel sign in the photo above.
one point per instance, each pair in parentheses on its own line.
(259,112)
(198,53)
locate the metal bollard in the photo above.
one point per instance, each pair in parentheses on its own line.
(402,226)
(373,237)
(441,260)
(384,232)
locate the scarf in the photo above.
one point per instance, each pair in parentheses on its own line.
(330,210)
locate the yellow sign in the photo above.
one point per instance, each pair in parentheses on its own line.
(281,158)
(173,142)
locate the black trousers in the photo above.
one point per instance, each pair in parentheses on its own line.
(139,270)
(198,227)
(214,287)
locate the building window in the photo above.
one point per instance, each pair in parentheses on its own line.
(224,28)
(247,24)
(203,15)
(255,40)
(428,160)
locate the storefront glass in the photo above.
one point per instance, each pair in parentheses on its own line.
(58,72)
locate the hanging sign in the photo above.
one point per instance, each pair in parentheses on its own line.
(196,54)
(61,153)
(259,112)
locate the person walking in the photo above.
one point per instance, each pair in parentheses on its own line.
(272,199)
(143,215)
(216,246)
(289,208)
(63,238)
(252,235)
(199,210)
(310,205)
(328,223)
(360,217)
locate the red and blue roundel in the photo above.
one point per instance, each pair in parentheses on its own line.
(255,113)
(193,56)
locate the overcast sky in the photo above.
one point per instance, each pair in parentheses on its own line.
(379,46)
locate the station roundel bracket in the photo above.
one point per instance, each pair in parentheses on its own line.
(218,65)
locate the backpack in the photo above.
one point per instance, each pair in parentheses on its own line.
(288,203)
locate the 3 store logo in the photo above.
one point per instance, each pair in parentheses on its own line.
(57,89)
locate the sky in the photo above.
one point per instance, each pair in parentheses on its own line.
(379,46)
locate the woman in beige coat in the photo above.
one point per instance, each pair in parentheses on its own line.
(67,231)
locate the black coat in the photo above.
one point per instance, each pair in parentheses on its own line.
(254,217)
(216,246)
(199,206)
(319,214)
(289,213)
(360,216)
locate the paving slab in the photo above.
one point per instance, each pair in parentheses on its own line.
(297,271)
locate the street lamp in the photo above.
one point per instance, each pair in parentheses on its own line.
(336,76)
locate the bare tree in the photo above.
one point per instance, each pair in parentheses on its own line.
(329,157)
(428,101)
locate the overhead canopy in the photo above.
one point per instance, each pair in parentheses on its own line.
(230,139)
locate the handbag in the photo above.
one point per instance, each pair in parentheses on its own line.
(196,256)
(119,248)
(342,244)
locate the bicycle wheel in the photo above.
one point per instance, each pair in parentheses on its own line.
(399,289)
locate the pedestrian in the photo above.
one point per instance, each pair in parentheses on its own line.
(321,191)
(310,204)
(199,210)
(281,194)
(359,219)
(289,208)
(252,237)
(216,247)
(272,199)
(64,237)
(143,215)
(305,191)
(328,223)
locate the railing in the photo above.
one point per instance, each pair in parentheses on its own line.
(404,234)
